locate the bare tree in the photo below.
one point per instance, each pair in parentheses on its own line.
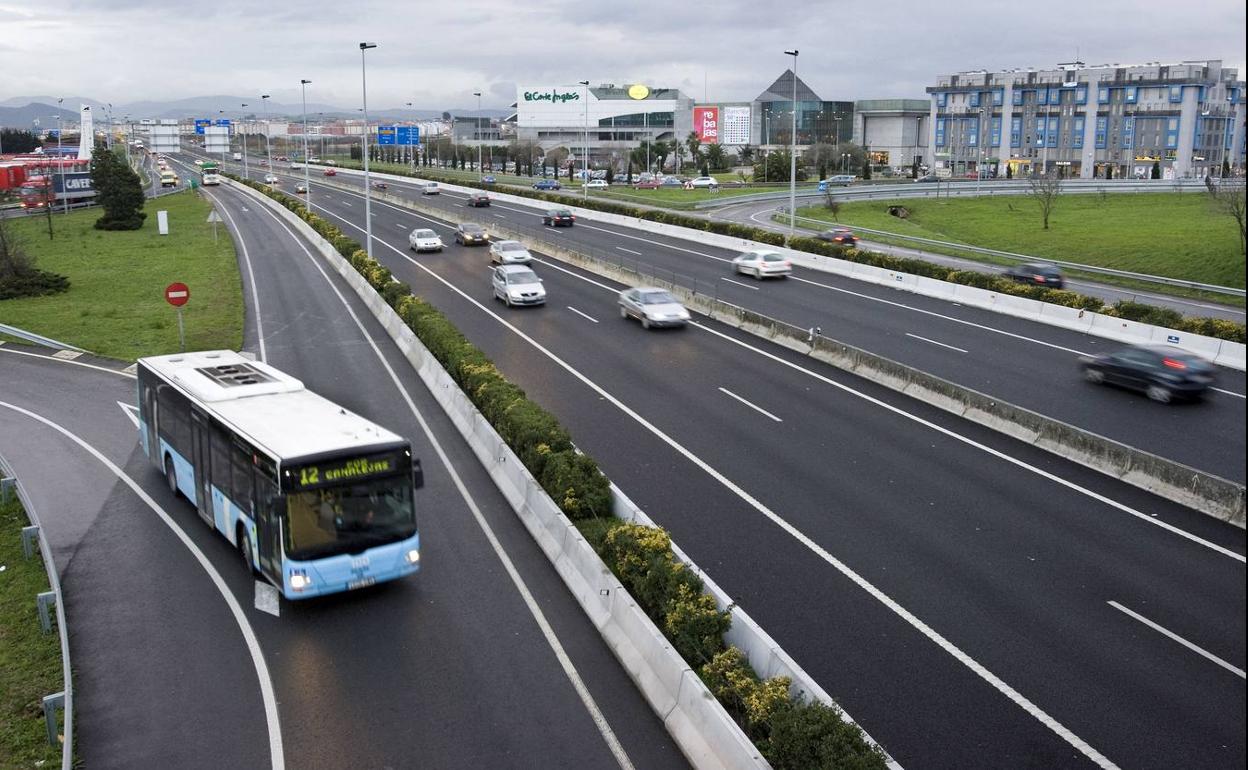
(1230,201)
(14,260)
(1044,189)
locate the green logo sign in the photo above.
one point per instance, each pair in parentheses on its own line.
(551,96)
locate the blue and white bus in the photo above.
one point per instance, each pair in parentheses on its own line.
(315,498)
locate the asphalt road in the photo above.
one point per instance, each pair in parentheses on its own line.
(1025,363)
(483,659)
(963,596)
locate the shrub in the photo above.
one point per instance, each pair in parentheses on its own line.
(749,700)
(574,482)
(641,557)
(1149,314)
(813,736)
(32,283)
(695,625)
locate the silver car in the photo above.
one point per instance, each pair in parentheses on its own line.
(653,307)
(509,253)
(517,285)
(761,264)
(423,239)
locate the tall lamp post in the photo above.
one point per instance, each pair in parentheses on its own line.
(60,156)
(477,125)
(268,150)
(307,187)
(411,150)
(793,154)
(243,138)
(585,181)
(979,150)
(227,138)
(108,139)
(368,187)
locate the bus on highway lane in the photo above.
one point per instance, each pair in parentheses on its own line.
(315,498)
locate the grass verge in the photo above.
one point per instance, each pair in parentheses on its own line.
(116,305)
(30,660)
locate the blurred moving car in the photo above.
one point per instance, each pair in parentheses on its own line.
(329,172)
(509,253)
(469,233)
(928,178)
(671,181)
(487,179)
(842,180)
(648,184)
(653,307)
(1163,373)
(597,184)
(517,285)
(704,181)
(270,179)
(558,218)
(478,199)
(1038,273)
(430,188)
(424,239)
(380,186)
(762,264)
(839,235)
(301,189)
(546,184)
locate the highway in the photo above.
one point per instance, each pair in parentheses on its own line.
(469,663)
(973,602)
(1025,363)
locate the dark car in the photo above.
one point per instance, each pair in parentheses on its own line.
(478,199)
(546,184)
(928,178)
(1038,274)
(558,218)
(671,181)
(842,236)
(471,233)
(1164,373)
(487,179)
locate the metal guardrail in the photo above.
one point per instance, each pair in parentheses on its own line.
(1021,258)
(36,339)
(63,700)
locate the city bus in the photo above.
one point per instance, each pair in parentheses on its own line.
(316,499)
(210,174)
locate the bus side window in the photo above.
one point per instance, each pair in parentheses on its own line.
(221,471)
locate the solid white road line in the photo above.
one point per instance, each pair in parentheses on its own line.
(582,315)
(17,352)
(758,409)
(738,283)
(347,203)
(552,639)
(276,755)
(629,251)
(1229,392)
(131,412)
(251,275)
(1166,632)
(1035,711)
(934,342)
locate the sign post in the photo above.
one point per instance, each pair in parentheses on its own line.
(177,294)
(214,218)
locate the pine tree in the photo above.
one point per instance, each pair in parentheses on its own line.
(119,192)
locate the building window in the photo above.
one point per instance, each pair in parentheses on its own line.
(1016,132)
(1102,124)
(1081,95)
(1076,136)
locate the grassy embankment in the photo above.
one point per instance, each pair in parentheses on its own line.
(116,305)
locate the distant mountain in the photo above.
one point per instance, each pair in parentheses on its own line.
(25,117)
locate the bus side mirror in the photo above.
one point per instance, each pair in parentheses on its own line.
(418,475)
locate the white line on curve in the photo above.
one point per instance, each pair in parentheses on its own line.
(582,315)
(1166,632)
(756,408)
(934,342)
(251,274)
(569,668)
(276,755)
(629,251)
(738,283)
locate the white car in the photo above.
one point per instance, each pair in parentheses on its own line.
(597,184)
(761,264)
(704,181)
(422,239)
(517,285)
(270,179)
(301,189)
(510,253)
(430,188)
(653,307)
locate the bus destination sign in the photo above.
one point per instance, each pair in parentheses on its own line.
(342,471)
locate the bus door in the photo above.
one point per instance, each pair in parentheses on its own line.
(269,505)
(200,459)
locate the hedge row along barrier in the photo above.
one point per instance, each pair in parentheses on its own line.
(792,734)
(1219,328)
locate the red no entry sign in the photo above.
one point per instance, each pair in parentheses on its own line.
(177,294)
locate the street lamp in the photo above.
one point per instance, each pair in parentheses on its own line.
(109,137)
(60,156)
(268,151)
(793,153)
(226,144)
(585,163)
(477,132)
(243,138)
(411,150)
(368,196)
(307,187)
(979,150)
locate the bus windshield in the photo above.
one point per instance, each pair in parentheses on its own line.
(349,519)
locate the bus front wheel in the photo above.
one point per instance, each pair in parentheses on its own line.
(171,476)
(244,548)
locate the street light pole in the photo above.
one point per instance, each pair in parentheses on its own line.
(227,139)
(585,181)
(368,187)
(60,155)
(108,139)
(979,150)
(793,154)
(243,137)
(411,149)
(268,151)
(477,125)
(307,186)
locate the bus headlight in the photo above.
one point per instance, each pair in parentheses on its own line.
(412,556)
(299,580)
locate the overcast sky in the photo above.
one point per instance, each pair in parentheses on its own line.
(435,54)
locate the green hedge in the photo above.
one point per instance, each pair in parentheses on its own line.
(1135,311)
(790,733)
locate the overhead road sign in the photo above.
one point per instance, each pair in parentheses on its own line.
(386,135)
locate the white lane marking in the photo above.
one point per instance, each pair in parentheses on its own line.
(347,203)
(130,411)
(822,553)
(934,342)
(569,668)
(582,315)
(251,275)
(267,599)
(276,755)
(41,357)
(1229,392)
(1166,632)
(756,408)
(401,226)
(738,283)
(629,251)
(498,216)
